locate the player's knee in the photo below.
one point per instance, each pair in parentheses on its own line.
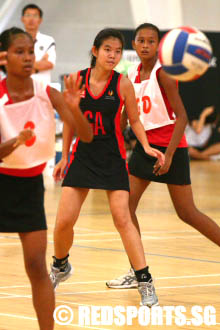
(121,222)
(186,216)
(63,224)
(36,267)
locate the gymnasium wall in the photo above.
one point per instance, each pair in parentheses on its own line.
(74,23)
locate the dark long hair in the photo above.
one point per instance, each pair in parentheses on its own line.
(101,37)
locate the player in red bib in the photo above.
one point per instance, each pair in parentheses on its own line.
(27,141)
(164,118)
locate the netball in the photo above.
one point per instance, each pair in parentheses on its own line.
(185,53)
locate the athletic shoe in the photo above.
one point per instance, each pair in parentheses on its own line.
(126,281)
(57,276)
(148,294)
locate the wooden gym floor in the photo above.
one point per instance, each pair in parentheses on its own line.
(185,265)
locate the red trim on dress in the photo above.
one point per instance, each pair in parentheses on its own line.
(118,131)
(104,89)
(78,75)
(72,155)
(48,91)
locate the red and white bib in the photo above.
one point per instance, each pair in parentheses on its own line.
(151,105)
(36,113)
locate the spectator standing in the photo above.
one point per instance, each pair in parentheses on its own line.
(44,47)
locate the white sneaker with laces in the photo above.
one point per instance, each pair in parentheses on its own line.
(126,281)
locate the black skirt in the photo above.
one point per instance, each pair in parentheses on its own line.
(141,165)
(22,204)
(98,165)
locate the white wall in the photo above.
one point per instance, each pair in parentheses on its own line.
(166,14)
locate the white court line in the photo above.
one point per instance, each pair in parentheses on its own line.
(5,244)
(142,237)
(34,319)
(117,234)
(116,290)
(97,232)
(19,316)
(70,325)
(158,288)
(103,281)
(15,295)
(77,241)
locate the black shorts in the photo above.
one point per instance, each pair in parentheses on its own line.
(21,204)
(141,165)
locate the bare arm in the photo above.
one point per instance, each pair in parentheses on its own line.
(200,123)
(43,64)
(68,134)
(128,94)
(70,112)
(124,120)
(176,103)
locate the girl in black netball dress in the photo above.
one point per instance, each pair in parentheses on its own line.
(102,163)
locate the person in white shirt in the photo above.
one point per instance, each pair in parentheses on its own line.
(44,47)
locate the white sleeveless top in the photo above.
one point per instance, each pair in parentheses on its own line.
(36,113)
(151,105)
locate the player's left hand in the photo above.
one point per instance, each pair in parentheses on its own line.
(159,170)
(157,154)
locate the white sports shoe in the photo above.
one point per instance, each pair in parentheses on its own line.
(126,281)
(148,294)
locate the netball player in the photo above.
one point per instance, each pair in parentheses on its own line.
(27,106)
(164,118)
(102,164)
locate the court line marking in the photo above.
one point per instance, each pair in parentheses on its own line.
(34,319)
(119,239)
(158,288)
(94,232)
(123,251)
(114,290)
(103,281)
(146,253)
(8,244)
(71,325)
(142,238)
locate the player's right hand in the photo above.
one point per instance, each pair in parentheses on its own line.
(58,172)
(24,136)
